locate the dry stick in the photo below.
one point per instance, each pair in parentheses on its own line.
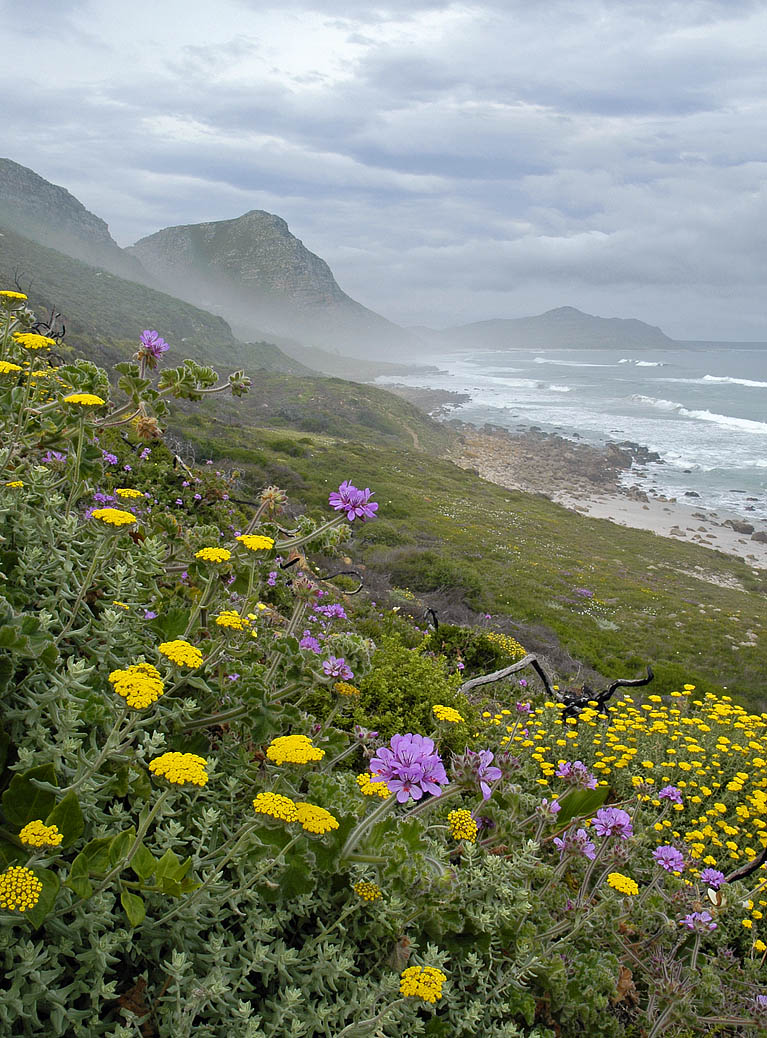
(498,675)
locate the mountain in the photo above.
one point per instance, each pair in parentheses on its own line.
(560,328)
(257,274)
(104,314)
(50,215)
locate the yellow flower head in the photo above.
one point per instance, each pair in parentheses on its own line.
(15,484)
(37,834)
(256,541)
(140,685)
(462,825)
(113,516)
(276,806)
(343,688)
(293,749)
(368,891)
(20,889)
(623,884)
(30,341)
(422,982)
(446,713)
(128,492)
(181,653)
(371,788)
(6,368)
(180,768)
(84,400)
(231,618)
(315,819)
(213,554)
(760,946)
(8,297)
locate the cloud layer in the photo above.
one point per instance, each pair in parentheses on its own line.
(451,161)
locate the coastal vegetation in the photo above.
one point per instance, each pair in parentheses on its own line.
(240,798)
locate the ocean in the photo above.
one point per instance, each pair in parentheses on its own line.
(701,407)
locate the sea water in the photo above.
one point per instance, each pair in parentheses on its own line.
(701,406)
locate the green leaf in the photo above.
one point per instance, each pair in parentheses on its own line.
(47,898)
(581,803)
(23,801)
(67,816)
(7,670)
(10,854)
(93,858)
(143,862)
(134,906)
(121,844)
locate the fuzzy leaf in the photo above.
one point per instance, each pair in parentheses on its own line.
(67,816)
(143,862)
(134,906)
(48,894)
(581,803)
(23,801)
(120,845)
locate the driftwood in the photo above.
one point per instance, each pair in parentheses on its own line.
(745,870)
(498,675)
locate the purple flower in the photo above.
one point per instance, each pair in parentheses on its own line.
(548,809)
(152,345)
(149,614)
(110,459)
(127,468)
(612,821)
(198,497)
(583,592)
(575,842)
(310,643)
(575,773)
(712,878)
(331,611)
(700,922)
(179,501)
(477,768)
(52,456)
(671,793)
(271,580)
(460,665)
(410,767)
(232,677)
(356,503)
(335,667)
(145,453)
(524,708)
(669,858)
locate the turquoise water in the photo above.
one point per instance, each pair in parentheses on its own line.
(702,407)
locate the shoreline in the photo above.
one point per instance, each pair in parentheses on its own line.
(591,481)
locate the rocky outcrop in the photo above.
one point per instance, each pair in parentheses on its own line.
(50,215)
(257,274)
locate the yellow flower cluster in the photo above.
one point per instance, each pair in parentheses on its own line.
(84,400)
(7,368)
(509,645)
(371,788)
(422,982)
(15,484)
(181,653)
(368,891)
(20,889)
(343,688)
(113,516)
(293,749)
(140,685)
(256,541)
(180,768)
(37,834)
(30,341)
(231,618)
(213,554)
(462,825)
(623,884)
(12,297)
(315,819)
(312,818)
(128,492)
(446,713)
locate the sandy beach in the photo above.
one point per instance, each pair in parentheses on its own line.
(592,482)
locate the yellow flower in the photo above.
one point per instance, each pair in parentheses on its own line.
(371,788)
(180,768)
(315,819)
(760,946)
(6,368)
(343,688)
(37,834)
(422,982)
(231,618)
(11,297)
(747,923)
(181,653)
(30,341)
(128,492)
(293,749)
(462,825)
(14,484)
(623,884)
(256,541)
(276,806)
(213,554)
(20,889)
(84,400)
(446,713)
(113,516)
(140,685)
(368,891)
(120,605)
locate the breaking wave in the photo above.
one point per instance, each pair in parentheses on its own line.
(726,421)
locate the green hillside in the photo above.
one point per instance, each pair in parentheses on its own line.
(105,314)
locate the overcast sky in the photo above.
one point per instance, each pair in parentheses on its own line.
(451,161)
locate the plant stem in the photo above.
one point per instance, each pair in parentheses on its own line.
(366,823)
